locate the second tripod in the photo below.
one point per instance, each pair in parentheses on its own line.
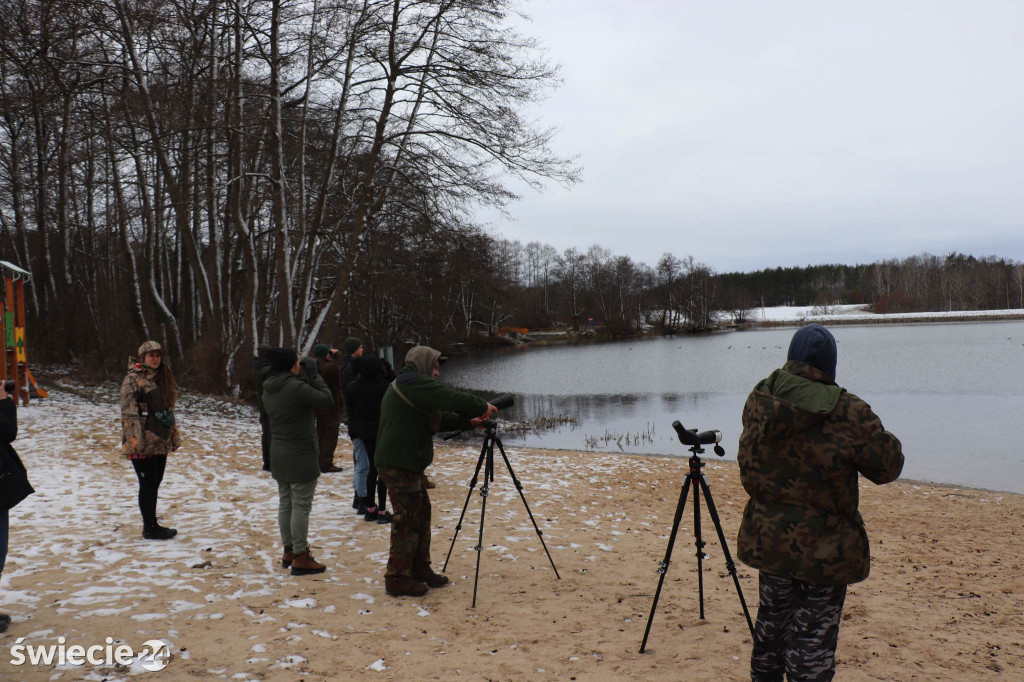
(486,462)
(699,482)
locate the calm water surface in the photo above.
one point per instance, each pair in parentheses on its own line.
(952,393)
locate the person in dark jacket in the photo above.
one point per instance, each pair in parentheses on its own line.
(351,351)
(362,399)
(415,407)
(294,456)
(148,429)
(805,442)
(14,485)
(260,372)
(328,420)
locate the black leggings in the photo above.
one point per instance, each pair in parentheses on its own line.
(373,481)
(150,472)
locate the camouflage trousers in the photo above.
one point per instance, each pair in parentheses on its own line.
(797,630)
(410,527)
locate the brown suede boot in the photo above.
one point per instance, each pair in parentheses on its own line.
(402,586)
(427,575)
(305,564)
(287,558)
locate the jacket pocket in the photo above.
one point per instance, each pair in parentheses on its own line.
(157,428)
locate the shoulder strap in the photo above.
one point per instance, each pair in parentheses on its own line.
(394,385)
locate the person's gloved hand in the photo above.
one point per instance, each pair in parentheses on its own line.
(309,364)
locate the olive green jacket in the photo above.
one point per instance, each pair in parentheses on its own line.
(290,403)
(804,443)
(405,434)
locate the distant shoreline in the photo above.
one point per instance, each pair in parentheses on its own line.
(896,318)
(786,317)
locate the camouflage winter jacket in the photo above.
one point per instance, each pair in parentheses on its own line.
(804,441)
(142,432)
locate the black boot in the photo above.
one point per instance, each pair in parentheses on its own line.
(155,531)
(5,620)
(427,575)
(402,586)
(361,509)
(355,502)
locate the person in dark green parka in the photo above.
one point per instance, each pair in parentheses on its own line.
(415,407)
(290,403)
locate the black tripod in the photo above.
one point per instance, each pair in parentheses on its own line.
(699,481)
(486,460)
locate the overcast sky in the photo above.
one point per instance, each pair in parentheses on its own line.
(754,133)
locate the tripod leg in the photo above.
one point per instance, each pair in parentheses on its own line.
(663,566)
(519,487)
(698,542)
(472,485)
(729,565)
(484,490)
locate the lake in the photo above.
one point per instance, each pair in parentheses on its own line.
(952,393)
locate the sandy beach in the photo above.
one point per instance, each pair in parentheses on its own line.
(945,599)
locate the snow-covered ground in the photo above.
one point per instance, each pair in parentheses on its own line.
(846,312)
(79,569)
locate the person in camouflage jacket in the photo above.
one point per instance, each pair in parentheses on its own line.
(148,429)
(805,442)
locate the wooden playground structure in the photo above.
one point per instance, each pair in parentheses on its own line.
(12,329)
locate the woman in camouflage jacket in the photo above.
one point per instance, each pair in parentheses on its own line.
(148,396)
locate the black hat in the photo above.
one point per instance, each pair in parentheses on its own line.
(815,346)
(350,345)
(282,359)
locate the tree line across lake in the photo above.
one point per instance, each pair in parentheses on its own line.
(216,175)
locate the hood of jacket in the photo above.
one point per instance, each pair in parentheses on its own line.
(277,380)
(261,361)
(423,359)
(368,368)
(139,367)
(792,399)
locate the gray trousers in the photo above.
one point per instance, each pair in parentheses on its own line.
(797,630)
(294,504)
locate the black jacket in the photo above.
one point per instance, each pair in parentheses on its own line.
(363,396)
(14,485)
(260,372)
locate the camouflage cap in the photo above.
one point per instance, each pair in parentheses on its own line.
(149,347)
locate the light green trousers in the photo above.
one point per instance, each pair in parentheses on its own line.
(296,501)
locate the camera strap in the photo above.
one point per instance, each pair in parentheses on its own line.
(394,385)
(434,415)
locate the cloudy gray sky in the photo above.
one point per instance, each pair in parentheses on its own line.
(753,133)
